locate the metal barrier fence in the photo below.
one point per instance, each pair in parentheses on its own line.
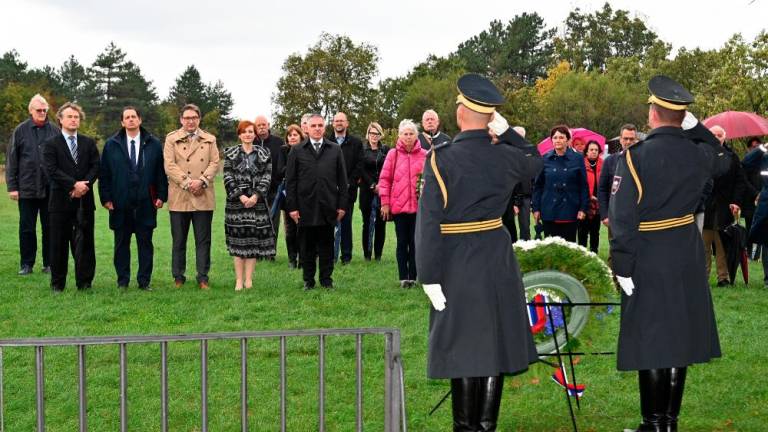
(395,419)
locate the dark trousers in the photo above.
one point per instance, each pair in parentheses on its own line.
(316,245)
(524,219)
(275,218)
(28,211)
(144,247)
(508,219)
(343,237)
(405,229)
(373,224)
(590,228)
(566,230)
(201,224)
(67,233)
(291,238)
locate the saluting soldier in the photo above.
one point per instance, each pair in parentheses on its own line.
(667,318)
(479,329)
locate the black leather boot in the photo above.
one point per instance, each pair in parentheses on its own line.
(464,401)
(654,399)
(489,402)
(676,388)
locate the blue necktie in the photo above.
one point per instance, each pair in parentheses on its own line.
(73,147)
(133,154)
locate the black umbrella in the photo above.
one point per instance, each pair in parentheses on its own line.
(734,238)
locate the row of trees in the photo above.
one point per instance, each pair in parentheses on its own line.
(103,88)
(591,73)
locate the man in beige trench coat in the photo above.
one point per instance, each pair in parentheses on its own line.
(191,160)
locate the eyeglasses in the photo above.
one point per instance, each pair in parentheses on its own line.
(190,118)
(42,110)
(374,133)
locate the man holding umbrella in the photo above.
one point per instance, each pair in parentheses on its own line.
(667,320)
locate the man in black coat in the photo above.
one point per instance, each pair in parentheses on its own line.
(132,186)
(352,148)
(316,199)
(667,316)
(72,163)
(727,195)
(431,135)
(274,144)
(27,183)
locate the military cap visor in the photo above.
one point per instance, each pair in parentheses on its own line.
(668,93)
(478,94)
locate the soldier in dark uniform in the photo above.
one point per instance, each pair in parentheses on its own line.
(667,319)
(479,329)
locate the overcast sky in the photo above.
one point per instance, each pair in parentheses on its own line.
(244,43)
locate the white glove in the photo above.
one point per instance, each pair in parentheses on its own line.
(689,121)
(498,125)
(435,294)
(626,284)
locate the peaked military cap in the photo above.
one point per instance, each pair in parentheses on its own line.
(668,93)
(478,93)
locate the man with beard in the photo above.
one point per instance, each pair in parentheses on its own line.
(352,148)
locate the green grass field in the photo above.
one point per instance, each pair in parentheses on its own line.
(728,394)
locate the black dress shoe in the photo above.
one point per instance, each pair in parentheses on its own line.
(722,283)
(25,270)
(308,286)
(327,285)
(46,269)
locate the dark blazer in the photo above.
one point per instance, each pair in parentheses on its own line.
(64,172)
(132,190)
(275,146)
(727,189)
(605,182)
(440,138)
(316,184)
(352,148)
(24,161)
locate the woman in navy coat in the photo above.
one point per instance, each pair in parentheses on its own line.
(560,196)
(758,230)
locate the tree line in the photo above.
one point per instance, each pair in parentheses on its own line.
(591,71)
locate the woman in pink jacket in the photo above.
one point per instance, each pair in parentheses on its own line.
(398,182)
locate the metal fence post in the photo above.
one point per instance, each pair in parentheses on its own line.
(81,385)
(123,388)
(204,384)
(40,387)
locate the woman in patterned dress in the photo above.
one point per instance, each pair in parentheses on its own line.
(248,228)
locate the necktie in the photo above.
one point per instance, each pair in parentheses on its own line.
(133,153)
(317,147)
(340,140)
(73,147)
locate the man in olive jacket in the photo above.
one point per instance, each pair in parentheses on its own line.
(132,187)
(27,182)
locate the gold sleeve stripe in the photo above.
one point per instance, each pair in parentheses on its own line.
(433,162)
(666,223)
(634,176)
(470,227)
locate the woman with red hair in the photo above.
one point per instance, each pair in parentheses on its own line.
(247,225)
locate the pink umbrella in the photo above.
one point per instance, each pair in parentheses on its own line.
(585,134)
(739,124)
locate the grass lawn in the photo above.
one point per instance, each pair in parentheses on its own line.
(728,394)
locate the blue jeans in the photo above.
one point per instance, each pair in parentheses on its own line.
(343,238)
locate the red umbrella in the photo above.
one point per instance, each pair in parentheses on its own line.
(585,134)
(739,124)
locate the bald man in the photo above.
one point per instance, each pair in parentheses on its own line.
(264,138)
(725,200)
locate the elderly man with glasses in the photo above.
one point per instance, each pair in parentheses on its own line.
(27,182)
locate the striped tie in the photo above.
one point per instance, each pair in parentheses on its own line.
(73,147)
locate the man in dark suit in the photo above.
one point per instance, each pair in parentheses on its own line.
(352,149)
(317,194)
(72,164)
(132,186)
(274,144)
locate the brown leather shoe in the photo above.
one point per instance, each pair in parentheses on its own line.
(178,283)
(204,285)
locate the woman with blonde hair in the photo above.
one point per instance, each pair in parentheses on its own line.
(374,226)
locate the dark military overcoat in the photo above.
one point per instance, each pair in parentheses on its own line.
(669,320)
(484,329)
